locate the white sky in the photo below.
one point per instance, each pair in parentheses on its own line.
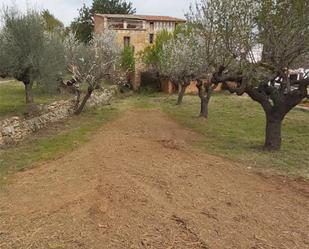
(66,10)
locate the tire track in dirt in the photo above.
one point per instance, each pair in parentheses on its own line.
(140,184)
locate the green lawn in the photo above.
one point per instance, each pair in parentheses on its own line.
(235,130)
(12,98)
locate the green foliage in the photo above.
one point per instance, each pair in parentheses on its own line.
(52,65)
(278,20)
(28,53)
(178,56)
(22,39)
(237,31)
(83,25)
(128,59)
(112,7)
(150,55)
(52,24)
(255,43)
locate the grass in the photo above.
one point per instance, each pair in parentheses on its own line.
(235,130)
(55,141)
(12,98)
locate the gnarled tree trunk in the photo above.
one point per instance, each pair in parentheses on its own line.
(274,112)
(25,78)
(273,133)
(181,93)
(85,99)
(275,102)
(204,108)
(204,92)
(28,92)
(78,95)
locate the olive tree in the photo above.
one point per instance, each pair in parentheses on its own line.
(27,53)
(205,90)
(181,61)
(172,55)
(280,29)
(186,58)
(92,63)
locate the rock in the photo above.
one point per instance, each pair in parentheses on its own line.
(1,141)
(15,129)
(7,131)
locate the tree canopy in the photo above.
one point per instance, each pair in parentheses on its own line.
(52,24)
(94,62)
(238,30)
(28,53)
(112,7)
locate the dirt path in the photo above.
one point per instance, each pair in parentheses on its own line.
(139,184)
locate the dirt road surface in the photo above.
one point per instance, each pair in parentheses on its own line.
(140,184)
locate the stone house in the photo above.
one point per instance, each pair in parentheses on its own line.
(300,73)
(138,31)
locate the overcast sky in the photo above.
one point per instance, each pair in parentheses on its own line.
(66,10)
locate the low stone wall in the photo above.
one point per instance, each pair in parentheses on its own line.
(15,129)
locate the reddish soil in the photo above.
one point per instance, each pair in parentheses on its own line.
(140,184)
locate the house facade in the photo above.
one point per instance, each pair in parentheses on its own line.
(138,31)
(300,73)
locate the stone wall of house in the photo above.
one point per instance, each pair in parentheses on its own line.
(139,39)
(15,129)
(168,87)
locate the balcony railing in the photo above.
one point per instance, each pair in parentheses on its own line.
(125,24)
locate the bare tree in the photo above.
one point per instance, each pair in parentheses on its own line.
(241,27)
(28,53)
(92,63)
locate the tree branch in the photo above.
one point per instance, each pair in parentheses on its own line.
(259,96)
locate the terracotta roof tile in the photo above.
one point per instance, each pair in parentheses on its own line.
(162,18)
(145,17)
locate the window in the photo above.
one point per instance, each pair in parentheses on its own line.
(151,26)
(127,41)
(134,24)
(151,38)
(293,77)
(116,23)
